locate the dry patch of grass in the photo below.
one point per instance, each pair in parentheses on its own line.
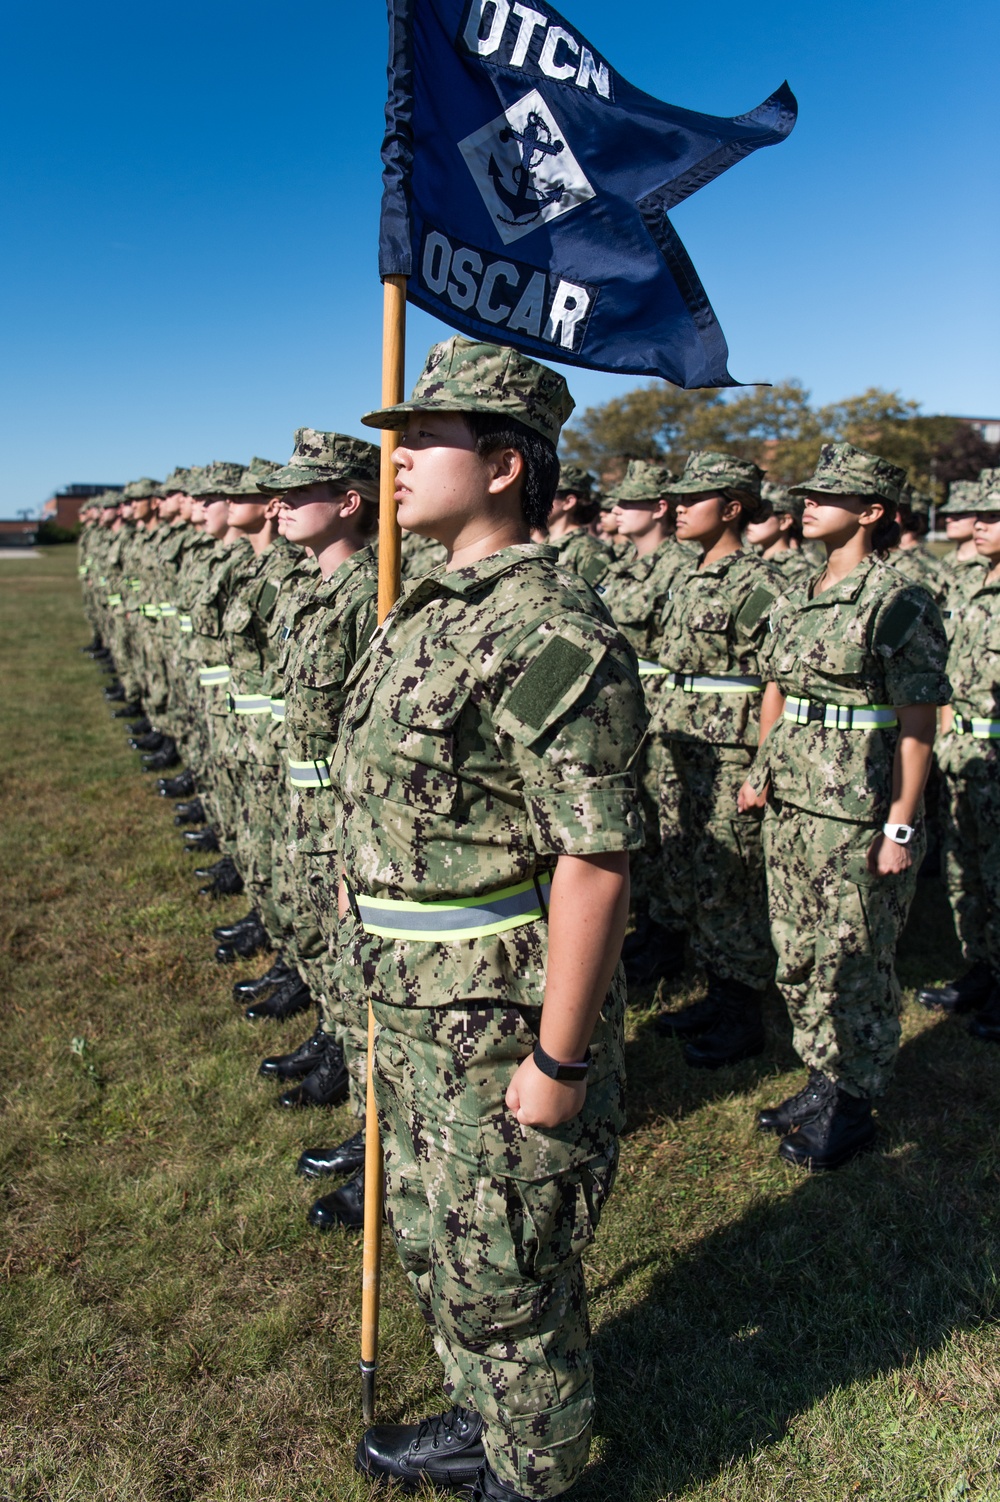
(171,1329)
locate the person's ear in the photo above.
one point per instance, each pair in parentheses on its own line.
(350,503)
(507,468)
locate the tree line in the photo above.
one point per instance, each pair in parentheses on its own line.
(779,428)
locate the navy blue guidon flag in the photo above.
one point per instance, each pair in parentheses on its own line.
(527,187)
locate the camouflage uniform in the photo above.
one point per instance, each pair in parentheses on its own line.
(870,642)
(635,591)
(715,621)
(583,554)
(418,555)
(969,758)
(316,637)
(490,728)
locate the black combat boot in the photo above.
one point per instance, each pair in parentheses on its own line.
(202,841)
(797,1108)
(839,1131)
(660,957)
(160,761)
(697,1017)
(326,1085)
(94,646)
(986,1024)
(227,931)
(129,710)
(248,990)
(115,692)
(300,1062)
(226,882)
(244,944)
(737,1032)
(288,1001)
(489,1488)
(181,786)
(346,1157)
(142,726)
(969,991)
(446,1451)
(153,740)
(190,813)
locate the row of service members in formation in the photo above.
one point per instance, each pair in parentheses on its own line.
(439,815)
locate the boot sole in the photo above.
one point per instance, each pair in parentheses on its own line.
(455,1483)
(343,1171)
(830,1165)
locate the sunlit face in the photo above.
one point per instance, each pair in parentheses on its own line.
(987,535)
(765,533)
(310,515)
(141,509)
(441,482)
(215,509)
(959,528)
(704,517)
(170,506)
(834,519)
(639,518)
(246,513)
(607,524)
(186,505)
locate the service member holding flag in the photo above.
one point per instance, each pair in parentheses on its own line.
(487,772)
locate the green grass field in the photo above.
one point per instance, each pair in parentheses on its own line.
(171,1329)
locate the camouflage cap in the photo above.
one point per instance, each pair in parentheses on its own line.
(575,479)
(778,500)
(707,471)
(325,456)
(915,500)
(643,480)
(844,470)
(462,375)
(218,478)
(177,482)
(110,499)
(142,490)
(251,484)
(988,497)
(962,496)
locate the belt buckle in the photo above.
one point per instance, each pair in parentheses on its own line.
(816,713)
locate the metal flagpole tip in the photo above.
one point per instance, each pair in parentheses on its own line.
(368,1370)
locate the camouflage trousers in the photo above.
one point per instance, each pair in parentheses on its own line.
(646,865)
(491,1220)
(971,840)
(259,788)
(835,928)
(345,992)
(713,864)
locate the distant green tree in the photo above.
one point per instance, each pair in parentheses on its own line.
(51,532)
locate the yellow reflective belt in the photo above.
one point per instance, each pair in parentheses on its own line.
(277,709)
(980,730)
(185,622)
(114,599)
(167,612)
(309,774)
(647,668)
(840,716)
(212,677)
(451,922)
(250,703)
(708,683)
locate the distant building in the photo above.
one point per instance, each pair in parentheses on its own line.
(19,534)
(63,508)
(988,428)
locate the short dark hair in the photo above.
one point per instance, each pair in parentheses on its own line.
(587,508)
(541,462)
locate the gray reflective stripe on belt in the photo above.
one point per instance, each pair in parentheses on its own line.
(841,716)
(251,703)
(646,668)
(114,599)
(980,730)
(473,917)
(167,612)
(706,683)
(208,677)
(309,774)
(277,709)
(186,623)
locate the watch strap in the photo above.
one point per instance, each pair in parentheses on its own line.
(557,1071)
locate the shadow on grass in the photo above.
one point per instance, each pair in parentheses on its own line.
(848,1277)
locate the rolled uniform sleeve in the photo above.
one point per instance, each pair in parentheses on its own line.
(570,717)
(910,639)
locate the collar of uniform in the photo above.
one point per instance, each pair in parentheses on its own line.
(849,587)
(343,572)
(466,581)
(721,565)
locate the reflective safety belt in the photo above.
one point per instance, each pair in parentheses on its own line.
(250,703)
(309,774)
(185,622)
(114,599)
(212,677)
(706,683)
(450,922)
(980,730)
(647,668)
(135,585)
(277,709)
(151,612)
(840,716)
(167,612)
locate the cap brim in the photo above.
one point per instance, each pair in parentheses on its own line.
(389,417)
(297,477)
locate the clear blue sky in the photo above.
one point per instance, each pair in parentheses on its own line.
(190,197)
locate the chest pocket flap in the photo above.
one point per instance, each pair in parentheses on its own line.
(237,617)
(557,675)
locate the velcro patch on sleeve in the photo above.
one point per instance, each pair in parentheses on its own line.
(755,608)
(595,568)
(897,624)
(554,671)
(267,597)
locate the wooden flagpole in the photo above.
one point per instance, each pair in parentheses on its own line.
(393,350)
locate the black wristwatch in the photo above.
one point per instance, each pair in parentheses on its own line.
(556,1071)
